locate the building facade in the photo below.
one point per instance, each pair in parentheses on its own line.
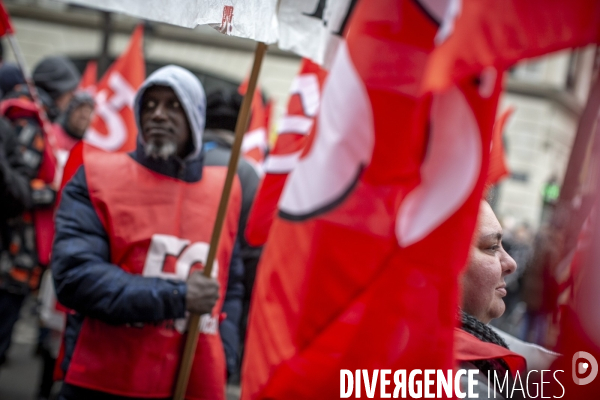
(548,96)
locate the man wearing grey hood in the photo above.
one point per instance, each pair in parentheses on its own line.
(132,235)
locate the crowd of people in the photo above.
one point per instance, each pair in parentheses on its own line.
(123,244)
(68,251)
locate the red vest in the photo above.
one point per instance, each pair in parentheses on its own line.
(468,348)
(158,227)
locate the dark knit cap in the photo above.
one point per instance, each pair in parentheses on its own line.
(79,98)
(10,76)
(222,109)
(56,75)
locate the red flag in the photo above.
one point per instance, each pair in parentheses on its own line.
(498,168)
(352,277)
(579,339)
(490,33)
(500,33)
(88,79)
(5,24)
(74,161)
(256,139)
(114,127)
(292,136)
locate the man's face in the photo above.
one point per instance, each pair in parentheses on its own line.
(483,281)
(165,127)
(80,118)
(62,101)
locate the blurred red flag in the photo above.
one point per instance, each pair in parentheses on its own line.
(256,138)
(579,339)
(5,24)
(88,79)
(489,34)
(114,127)
(498,168)
(351,277)
(292,136)
(499,33)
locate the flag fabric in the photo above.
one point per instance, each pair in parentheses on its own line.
(253,19)
(351,273)
(256,140)
(498,168)
(579,339)
(89,78)
(292,135)
(6,27)
(490,35)
(113,127)
(499,33)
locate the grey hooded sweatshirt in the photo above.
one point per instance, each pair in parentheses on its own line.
(190,92)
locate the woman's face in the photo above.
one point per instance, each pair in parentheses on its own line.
(483,281)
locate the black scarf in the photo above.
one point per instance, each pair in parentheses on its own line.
(486,334)
(481,331)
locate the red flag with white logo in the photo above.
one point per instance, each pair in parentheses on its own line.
(292,135)
(256,138)
(114,127)
(375,221)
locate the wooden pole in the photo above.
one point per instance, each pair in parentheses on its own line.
(104,58)
(585,130)
(12,41)
(240,128)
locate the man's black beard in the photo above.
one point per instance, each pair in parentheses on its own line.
(160,149)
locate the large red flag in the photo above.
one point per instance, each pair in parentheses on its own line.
(497,34)
(376,219)
(292,135)
(114,127)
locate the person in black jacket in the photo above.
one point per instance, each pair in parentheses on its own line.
(97,272)
(22,152)
(15,198)
(222,109)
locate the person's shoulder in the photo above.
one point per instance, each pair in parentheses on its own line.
(5,125)
(245,168)
(7,130)
(217,156)
(78,182)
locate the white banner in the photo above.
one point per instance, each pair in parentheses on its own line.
(309,28)
(253,19)
(313,28)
